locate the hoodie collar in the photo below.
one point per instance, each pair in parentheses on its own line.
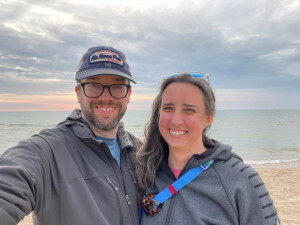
(82,129)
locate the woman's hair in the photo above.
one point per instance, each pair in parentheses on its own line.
(155,147)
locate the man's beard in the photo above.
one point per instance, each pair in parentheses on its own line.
(98,123)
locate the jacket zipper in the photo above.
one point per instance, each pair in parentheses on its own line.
(116,194)
(116,189)
(133,177)
(170,209)
(128,199)
(111,183)
(185,169)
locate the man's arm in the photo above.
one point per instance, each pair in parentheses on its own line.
(22,171)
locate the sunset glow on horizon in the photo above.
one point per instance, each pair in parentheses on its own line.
(64,102)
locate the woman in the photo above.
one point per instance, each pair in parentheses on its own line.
(226,191)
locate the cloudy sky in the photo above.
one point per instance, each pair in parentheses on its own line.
(251,49)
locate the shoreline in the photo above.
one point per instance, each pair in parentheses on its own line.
(293,164)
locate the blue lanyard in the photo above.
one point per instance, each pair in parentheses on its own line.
(185,179)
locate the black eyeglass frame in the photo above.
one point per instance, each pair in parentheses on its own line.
(128,86)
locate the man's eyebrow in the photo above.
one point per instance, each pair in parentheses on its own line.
(119,78)
(91,78)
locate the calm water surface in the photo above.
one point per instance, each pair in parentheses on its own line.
(259,136)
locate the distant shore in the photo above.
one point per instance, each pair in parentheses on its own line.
(294,164)
(283,185)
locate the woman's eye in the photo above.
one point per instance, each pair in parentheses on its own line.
(167,108)
(189,110)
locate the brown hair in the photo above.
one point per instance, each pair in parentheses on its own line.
(155,147)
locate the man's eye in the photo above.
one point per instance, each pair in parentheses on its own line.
(117,86)
(94,85)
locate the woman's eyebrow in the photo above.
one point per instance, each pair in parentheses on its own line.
(189,105)
(167,104)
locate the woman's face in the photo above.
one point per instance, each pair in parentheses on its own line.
(182,116)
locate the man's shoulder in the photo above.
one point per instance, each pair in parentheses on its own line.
(47,137)
(56,132)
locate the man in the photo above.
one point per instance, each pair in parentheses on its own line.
(80,172)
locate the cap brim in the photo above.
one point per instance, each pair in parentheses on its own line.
(102,71)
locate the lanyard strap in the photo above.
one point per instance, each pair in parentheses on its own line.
(185,179)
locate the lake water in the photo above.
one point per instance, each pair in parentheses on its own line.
(258,136)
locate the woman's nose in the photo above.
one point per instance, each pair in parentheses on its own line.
(176,118)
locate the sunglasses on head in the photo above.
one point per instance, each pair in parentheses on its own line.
(199,75)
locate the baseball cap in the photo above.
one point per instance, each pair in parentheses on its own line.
(103,60)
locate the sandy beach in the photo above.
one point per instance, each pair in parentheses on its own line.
(284,187)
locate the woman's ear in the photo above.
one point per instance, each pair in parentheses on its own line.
(209,119)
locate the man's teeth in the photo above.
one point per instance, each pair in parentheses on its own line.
(106,109)
(177,133)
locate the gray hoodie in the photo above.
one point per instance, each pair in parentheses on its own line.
(68,177)
(227,193)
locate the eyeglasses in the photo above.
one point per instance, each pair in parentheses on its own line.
(193,74)
(95,90)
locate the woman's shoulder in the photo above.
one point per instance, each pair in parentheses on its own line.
(238,177)
(244,185)
(235,170)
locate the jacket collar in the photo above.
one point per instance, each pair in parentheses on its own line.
(82,129)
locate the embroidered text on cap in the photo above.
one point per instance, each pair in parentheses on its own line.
(106,56)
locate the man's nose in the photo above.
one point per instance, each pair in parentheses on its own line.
(105,94)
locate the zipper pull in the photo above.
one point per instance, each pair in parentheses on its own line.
(128,199)
(111,183)
(133,177)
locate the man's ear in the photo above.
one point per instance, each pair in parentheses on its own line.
(129,94)
(77,90)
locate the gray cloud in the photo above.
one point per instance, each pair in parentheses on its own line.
(241,44)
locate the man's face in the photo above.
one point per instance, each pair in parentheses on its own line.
(104,112)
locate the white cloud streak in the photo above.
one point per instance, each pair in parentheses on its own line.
(242,44)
